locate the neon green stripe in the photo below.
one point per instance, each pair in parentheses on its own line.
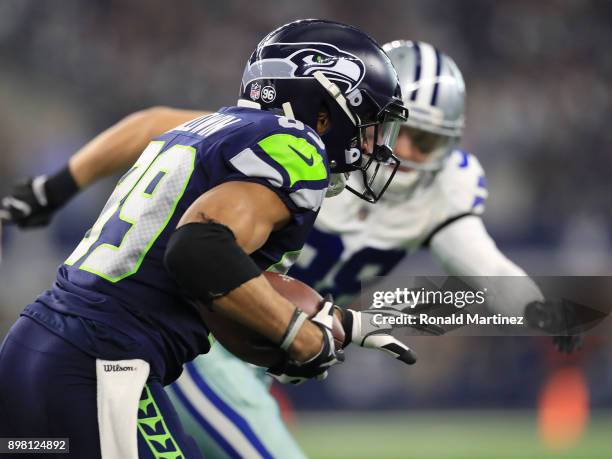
(306,164)
(285,263)
(151,422)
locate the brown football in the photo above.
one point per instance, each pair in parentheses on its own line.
(254,348)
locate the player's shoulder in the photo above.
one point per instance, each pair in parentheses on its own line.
(293,148)
(462,165)
(286,153)
(262,124)
(463,183)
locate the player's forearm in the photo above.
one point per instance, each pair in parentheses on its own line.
(118,147)
(465,249)
(208,256)
(259,307)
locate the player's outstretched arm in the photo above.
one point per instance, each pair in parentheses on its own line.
(208,256)
(33,202)
(118,147)
(465,248)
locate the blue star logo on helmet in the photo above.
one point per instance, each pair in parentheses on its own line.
(301,60)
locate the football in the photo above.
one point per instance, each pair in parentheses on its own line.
(254,348)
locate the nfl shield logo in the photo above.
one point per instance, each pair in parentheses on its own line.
(255,90)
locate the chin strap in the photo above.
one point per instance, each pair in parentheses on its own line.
(336,93)
(288,110)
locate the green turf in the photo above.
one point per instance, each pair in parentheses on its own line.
(443,435)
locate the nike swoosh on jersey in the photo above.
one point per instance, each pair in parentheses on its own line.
(309,161)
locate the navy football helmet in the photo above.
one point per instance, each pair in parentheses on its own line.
(309,65)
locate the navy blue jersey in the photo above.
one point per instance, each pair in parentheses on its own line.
(113,297)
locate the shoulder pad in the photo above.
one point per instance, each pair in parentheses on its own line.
(290,156)
(463,182)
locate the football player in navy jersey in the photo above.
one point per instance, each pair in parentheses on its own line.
(435,200)
(438,191)
(205,208)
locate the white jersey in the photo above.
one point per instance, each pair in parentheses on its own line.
(354,241)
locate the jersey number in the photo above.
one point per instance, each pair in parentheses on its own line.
(324,270)
(136,213)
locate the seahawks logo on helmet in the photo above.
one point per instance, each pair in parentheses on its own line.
(301,60)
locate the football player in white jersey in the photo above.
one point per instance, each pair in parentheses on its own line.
(435,201)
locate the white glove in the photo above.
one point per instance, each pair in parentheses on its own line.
(361,329)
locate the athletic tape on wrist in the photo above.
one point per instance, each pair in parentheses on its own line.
(295,324)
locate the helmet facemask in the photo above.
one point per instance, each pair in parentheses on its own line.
(435,147)
(367,159)
(318,64)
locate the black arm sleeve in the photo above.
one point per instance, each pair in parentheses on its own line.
(60,188)
(206,261)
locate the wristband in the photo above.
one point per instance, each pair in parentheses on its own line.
(347,325)
(60,188)
(296,322)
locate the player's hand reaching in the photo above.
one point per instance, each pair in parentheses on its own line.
(32,202)
(27,205)
(294,372)
(566,344)
(361,329)
(560,318)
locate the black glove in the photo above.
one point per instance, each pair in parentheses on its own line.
(559,318)
(568,343)
(293,372)
(33,202)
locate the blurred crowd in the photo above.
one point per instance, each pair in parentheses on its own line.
(537,76)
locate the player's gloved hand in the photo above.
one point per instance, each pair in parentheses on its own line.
(558,318)
(32,202)
(294,372)
(566,344)
(361,329)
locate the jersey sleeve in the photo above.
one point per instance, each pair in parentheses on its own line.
(290,161)
(462,190)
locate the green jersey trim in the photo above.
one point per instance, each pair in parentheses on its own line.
(156,423)
(300,159)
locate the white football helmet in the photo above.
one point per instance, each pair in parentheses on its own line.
(434,93)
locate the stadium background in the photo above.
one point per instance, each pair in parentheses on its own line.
(537,77)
